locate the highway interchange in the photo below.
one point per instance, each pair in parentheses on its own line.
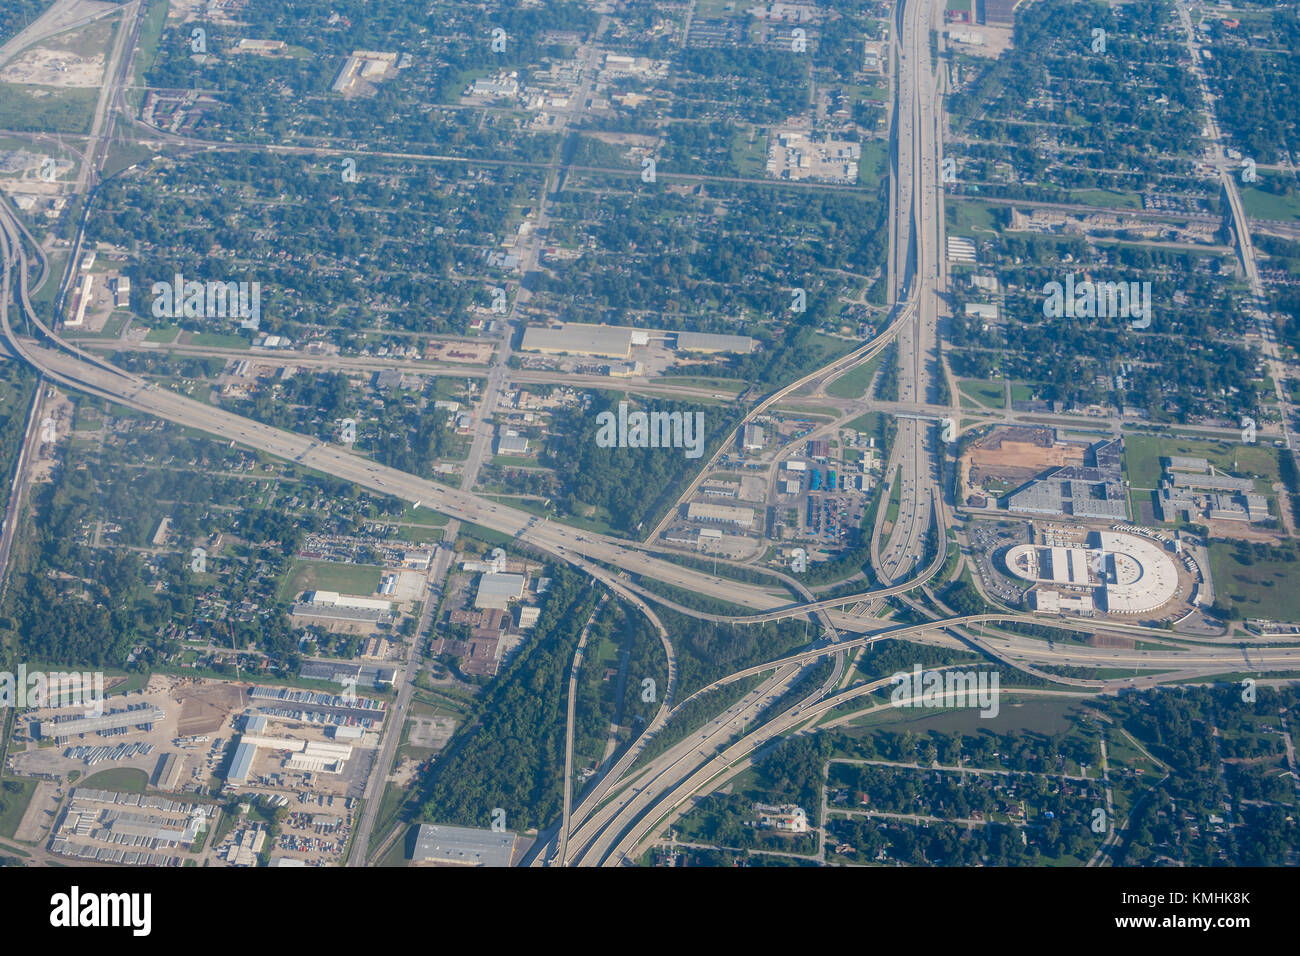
(627,805)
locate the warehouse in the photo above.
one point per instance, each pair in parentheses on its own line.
(334,599)
(512,443)
(168,772)
(241,765)
(498,590)
(607,341)
(723,514)
(463,846)
(115,720)
(712,344)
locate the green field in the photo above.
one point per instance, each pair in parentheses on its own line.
(219,340)
(423,516)
(749,157)
(874,164)
(969,218)
(123,779)
(360,579)
(1265,205)
(166,333)
(46,109)
(854,383)
(986,392)
(731,385)
(1262,588)
(13,803)
(1142,454)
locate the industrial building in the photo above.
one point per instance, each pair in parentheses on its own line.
(121,292)
(330,605)
(125,828)
(607,341)
(313,756)
(722,514)
(711,343)
(498,590)
(1079,491)
(343,672)
(463,846)
(334,599)
(241,765)
(418,559)
(1190,489)
(81,295)
(318,707)
(168,772)
(136,716)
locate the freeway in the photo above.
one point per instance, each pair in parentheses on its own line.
(79,369)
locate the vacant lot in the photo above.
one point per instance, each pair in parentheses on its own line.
(329,576)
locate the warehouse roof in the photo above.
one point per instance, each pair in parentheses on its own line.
(710,342)
(498,590)
(464,845)
(614,341)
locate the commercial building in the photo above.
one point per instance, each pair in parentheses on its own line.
(125,828)
(722,514)
(1123,573)
(712,343)
(463,846)
(1054,602)
(332,606)
(981,310)
(498,590)
(417,559)
(512,443)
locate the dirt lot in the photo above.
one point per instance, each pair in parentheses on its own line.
(205,707)
(471,353)
(47,67)
(1018,454)
(40,815)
